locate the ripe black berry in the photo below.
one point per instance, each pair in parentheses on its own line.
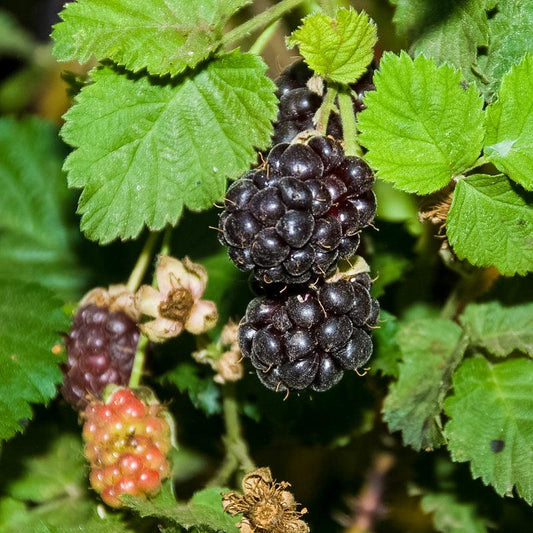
(291,221)
(101,349)
(324,332)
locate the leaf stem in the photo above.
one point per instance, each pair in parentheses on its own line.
(349,125)
(138,362)
(325,110)
(139,270)
(263,19)
(165,245)
(237,454)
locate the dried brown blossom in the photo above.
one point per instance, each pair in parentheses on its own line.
(266,506)
(176,305)
(114,298)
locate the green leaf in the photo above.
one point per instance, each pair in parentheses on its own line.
(338,49)
(204,509)
(511,36)
(490,223)
(500,330)
(35,241)
(202,391)
(13,38)
(30,323)
(388,269)
(449,31)
(165,39)
(509,124)
(432,349)
(491,423)
(421,126)
(146,148)
(55,471)
(451,515)
(386,350)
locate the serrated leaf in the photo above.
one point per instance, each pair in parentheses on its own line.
(490,223)
(431,349)
(491,423)
(204,509)
(449,31)
(451,515)
(386,350)
(35,241)
(202,390)
(146,149)
(165,39)
(500,330)
(338,49)
(421,126)
(30,323)
(509,124)
(510,37)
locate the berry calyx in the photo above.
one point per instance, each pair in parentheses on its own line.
(126,443)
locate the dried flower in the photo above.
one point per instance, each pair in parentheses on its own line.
(176,304)
(115,298)
(229,367)
(266,506)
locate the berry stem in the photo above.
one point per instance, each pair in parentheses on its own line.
(165,245)
(138,362)
(264,37)
(263,19)
(237,454)
(139,270)
(349,126)
(325,110)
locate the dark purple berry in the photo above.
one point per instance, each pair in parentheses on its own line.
(296,228)
(301,162)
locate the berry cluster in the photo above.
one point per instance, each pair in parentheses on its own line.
(291,221)
(298,104)
(127,441)
(101,349)
(309,337)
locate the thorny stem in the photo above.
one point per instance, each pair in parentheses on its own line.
(349,126)
(138,362)
(139,270)
(237,454)
(263,19)
(325,110)
(264,37)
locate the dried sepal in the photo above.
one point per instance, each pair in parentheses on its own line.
(114,298)
(266,506)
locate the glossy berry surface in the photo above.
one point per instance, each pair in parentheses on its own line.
(291,221)
(126,444)
(308,338)
(100,351)
(298,105)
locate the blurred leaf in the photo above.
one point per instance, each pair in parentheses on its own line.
(509,123)
(165,39)
(202,391)
(387,353)
(452,516)
(30,324)
(491,423)
(499,219)
(59,470)
(388,269)
(14,39)
(204,509)
(449,31)
(500,330)
(421,126)
(431,350)
(35,241)
(145,148)
(338,49)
